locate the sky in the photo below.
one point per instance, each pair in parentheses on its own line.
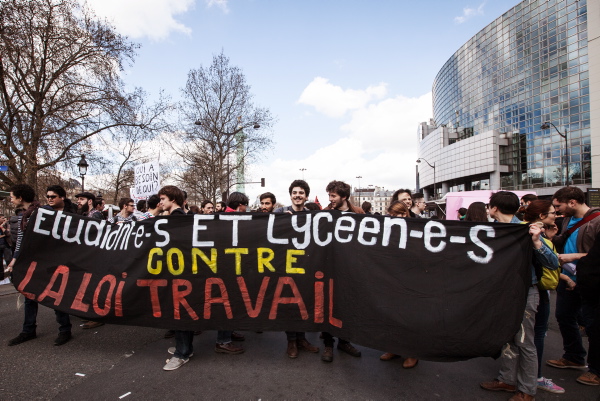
(347,81)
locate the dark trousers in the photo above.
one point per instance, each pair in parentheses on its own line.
(328,340)
(295,335)
(568,305)
(31,310)
(184,343)
(6,253)
(591,313)
(541,327)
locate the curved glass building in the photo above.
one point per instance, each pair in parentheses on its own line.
(538,63)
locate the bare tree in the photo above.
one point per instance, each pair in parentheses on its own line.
(220,129)
(59,85)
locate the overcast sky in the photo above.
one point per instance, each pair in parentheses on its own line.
(348,81)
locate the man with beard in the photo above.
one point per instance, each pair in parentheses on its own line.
(299,191)
(580,229)
(220,207)
(207,207)
(339,199)
(267,202)
(85,206)
(24,196)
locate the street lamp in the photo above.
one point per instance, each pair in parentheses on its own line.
(83,165)
(240,149)
(433,167)
(303,170)
(547,125)
(359,177)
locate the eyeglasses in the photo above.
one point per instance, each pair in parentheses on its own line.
(51,196)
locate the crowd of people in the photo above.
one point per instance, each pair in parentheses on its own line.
(566,257)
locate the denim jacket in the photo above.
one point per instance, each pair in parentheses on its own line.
(545,255)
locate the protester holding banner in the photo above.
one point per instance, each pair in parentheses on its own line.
(23,195)
(236,202)
(299,191)
(267,202)
(339,199)
(518,371)
(399,209)
(171,199)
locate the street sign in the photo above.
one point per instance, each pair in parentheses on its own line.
(3,168)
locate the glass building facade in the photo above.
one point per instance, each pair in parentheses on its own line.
(528,67)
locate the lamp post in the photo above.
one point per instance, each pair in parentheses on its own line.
(239,147)
(547,125)
(433,167)
(83,165)
(359,177)
(303,170)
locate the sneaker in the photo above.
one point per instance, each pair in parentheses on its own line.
(497,385)
(21,338)
(589,378)
(63,338)
(548,385)
(171,351)
(175,363)
(563,363)
(349,349)
(228,348)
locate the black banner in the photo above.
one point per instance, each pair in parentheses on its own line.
(430,289)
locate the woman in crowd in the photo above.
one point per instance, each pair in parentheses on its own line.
(477,211)
(399,209)
(542,212)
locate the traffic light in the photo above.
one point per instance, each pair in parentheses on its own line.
(262,182)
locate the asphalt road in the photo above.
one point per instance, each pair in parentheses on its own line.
(125,362)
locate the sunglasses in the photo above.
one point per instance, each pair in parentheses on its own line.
(51,196)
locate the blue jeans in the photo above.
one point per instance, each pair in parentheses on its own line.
(541,327)
(184,343)
(224,336)
(31,310)
(568,305)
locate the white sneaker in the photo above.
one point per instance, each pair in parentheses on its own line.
(171,351)
(175,363)
(548,385)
